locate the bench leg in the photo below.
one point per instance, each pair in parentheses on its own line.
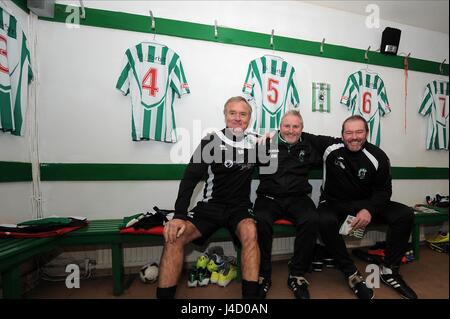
(12,283)
(117,269)
(239,270)
(416,241)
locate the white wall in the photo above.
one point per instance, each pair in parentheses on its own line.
(14,148)
(15,198)
(84,119)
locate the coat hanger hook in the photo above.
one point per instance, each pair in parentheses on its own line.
(216,33)
(153,20)
(405,60)
(321,45)
(153,25)
(366,56)
(441,67)
(83,12)
(271,38)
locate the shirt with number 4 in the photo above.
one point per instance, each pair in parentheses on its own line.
(153,74)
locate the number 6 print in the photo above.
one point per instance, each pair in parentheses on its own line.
(3,52)
(367,102)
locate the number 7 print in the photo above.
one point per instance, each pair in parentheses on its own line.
(443,101)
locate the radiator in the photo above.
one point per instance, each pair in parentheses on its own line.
(138,256)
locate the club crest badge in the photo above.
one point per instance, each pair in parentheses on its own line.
(362,173)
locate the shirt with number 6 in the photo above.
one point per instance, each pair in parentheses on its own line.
(365,94)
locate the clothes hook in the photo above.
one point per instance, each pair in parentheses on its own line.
(216,33)
(83,12)
(271,38)
(441,67)
(153,26)
(321,45)
(366,56)
(405,60)
(153,20)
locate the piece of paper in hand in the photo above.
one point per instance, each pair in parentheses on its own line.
(347,230)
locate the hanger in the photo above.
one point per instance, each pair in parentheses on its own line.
(272,45)
(153,30)
(366,57)
(153,24)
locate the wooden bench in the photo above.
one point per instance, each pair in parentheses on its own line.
(13,252)
(426,219)
(106,232)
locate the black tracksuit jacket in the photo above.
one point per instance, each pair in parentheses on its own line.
(294,163)
(226,166)
(354,180)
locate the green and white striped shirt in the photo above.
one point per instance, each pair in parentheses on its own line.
(365,95)
(15,74)
(154,75)
(271,89)
(435,106)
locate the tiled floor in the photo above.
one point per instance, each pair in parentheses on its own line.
(429,277)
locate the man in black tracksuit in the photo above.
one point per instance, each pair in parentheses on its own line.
(225,160)
(284,193)
(357,182)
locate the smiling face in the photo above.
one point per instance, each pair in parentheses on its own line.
(354,134)
(237,116)
(291,128)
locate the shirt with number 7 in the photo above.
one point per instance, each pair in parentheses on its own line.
(365,94)
(271,90)
(435,106)
(153,75)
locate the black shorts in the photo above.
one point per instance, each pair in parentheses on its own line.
(209,217)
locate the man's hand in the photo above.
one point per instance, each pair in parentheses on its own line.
(174,229)
(268,135)
(362,219)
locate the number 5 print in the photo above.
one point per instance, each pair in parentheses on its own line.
(273,98)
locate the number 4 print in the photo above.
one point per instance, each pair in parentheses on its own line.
(149,82)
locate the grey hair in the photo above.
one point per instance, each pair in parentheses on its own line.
(293,113)
(236,99)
